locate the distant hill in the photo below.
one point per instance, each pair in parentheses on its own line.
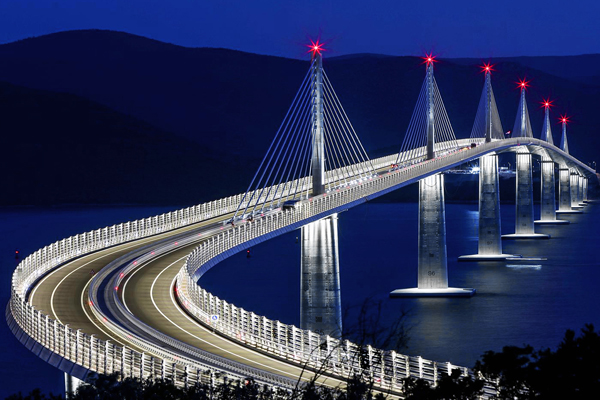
(60,148)
(583,68)
(213,112)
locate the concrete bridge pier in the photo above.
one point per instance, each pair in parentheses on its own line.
(524,226)
(564,192)
(71,385)
(548,199)
(585,189)
(432,275)
(320,294)
(575,191)
(490,239)
(580,195)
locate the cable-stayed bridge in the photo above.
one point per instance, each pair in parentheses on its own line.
(144,314)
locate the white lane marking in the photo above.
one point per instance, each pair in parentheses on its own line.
(146,263)
(72,272)
(91,317)
(96,257)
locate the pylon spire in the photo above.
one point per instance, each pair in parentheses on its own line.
(429,60)
(488,106)
(318,151)
(522,126)
(546,129)
(564,144)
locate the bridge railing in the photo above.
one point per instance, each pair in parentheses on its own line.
(88,351)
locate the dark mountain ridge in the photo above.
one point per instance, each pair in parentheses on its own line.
(219,109)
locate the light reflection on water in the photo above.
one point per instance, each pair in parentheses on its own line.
(523,266)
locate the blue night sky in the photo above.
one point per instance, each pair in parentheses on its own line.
(450,28)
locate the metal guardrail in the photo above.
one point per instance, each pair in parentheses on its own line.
(72,349)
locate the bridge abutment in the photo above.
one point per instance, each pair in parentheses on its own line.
(320,293)
(490,239)
(432,275)
(524,226)
(548,197)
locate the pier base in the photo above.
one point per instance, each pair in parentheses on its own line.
(524,226)
(448,292)
(320,294)
(432,272)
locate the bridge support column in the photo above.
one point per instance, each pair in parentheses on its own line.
(432,272)
(564,192)
(585,189)
(71,385)
(580,191)
(524,227)
(575,191)
(320,294)
(490,240)
(548,199)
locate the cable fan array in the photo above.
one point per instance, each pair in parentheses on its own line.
(415,140)
(285,172)
(479,130)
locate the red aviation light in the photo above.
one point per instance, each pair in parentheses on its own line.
(315,48)
(487,68)
(429,59)
(564,119)
(523,84)
(547,103)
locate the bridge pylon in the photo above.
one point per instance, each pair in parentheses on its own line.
(490,236)
(548,188)
(432,271)
(565,191)
(524,223)
(320,292)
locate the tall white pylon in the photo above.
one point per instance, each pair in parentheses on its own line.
(320,293)
(524,223)
(489,235)
(430,110)
(318,149)
(432,268)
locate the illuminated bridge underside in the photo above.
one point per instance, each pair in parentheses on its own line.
(143,339)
